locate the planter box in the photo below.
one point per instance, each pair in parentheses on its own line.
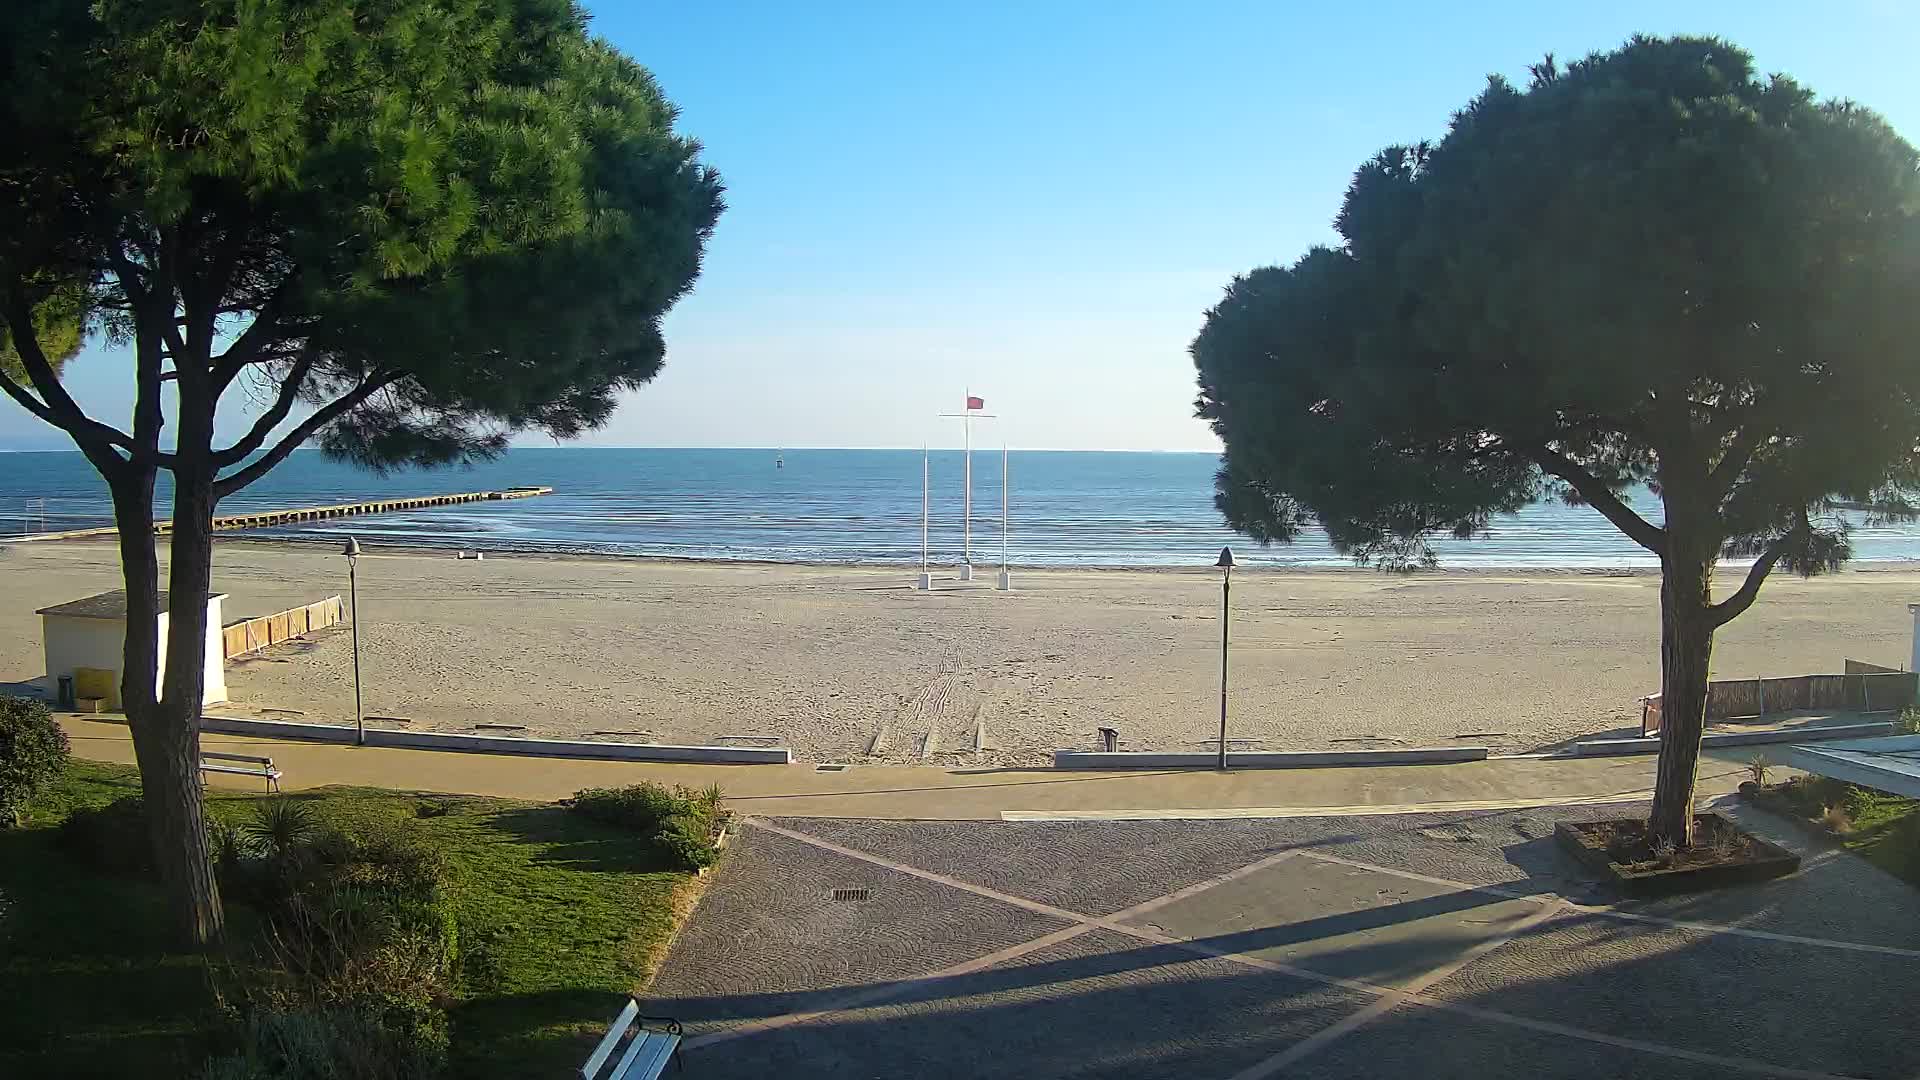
(1587,842)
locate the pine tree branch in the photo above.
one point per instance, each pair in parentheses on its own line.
(55,405)
(254,341)
(1746,442)
(1729,609)
(1600,497)
(263,426)
(320,418)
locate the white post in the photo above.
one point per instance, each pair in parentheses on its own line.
(1006,578)
(966,512)
(926,482)
(1914,664)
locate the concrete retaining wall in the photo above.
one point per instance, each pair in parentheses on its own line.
(494,744)
(1263,759)
(1651,744)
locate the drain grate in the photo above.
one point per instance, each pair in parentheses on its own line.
(841,896)
(830,766)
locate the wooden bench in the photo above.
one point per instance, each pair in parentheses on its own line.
(647,1053)
(243,765)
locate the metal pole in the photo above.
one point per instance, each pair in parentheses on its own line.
(359,715)
(1003,508)
(966,527)
(926,483)
(1226,590)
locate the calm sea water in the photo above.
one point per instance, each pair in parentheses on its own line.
(1065,508)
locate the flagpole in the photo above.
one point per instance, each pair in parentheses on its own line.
(926,486)
(1006,578)
(966,526)
(966,529)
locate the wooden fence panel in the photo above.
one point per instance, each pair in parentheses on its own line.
(233,640)
(1862,691)
(296,621)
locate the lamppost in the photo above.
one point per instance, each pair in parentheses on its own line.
(1225,563)
(352,552)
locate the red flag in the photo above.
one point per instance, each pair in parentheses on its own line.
(976,403)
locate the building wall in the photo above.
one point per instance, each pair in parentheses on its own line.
(99,643)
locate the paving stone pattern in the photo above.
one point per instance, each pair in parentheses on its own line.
(1523,964)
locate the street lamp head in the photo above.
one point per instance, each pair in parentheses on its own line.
(352,550)
(1226,558)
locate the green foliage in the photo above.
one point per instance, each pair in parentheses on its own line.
(558,918)
(1650,266)
(679,823)
(686,841)
(282,828)
(112,838)
(327,1044)
(33,751)
(473,203)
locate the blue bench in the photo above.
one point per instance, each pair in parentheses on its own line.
(651,1042)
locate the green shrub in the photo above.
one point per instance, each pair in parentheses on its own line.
(33,751)
(686,841)
(111,837)
(679,823)
(314,1043)
(643,807)
(282,829)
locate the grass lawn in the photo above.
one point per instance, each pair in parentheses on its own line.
(559,918)
(1883,829)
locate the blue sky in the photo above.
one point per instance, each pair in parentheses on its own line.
(1039,201)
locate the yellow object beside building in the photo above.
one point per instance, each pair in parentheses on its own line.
(102,683)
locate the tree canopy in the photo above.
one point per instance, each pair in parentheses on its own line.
(433,222)
(1649,267)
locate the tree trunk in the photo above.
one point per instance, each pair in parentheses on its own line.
(1686,652)
(165,727)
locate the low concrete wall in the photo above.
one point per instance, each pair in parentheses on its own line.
(1263,759)
(494,744)
(1651,744)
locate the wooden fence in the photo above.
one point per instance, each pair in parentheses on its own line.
(251,635)
(1864,688)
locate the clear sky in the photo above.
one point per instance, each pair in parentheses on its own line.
(1039,201)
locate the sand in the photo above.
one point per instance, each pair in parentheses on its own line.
(853,665)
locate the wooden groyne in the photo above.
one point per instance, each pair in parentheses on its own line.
(268,518)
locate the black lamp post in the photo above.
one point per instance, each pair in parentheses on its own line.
(352,552)
(1225,563)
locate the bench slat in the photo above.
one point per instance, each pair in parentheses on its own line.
(237,757)
(612,1039)
(647,1058)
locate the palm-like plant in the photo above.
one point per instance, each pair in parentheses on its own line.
(282,828)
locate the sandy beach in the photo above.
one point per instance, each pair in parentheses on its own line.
(846,664)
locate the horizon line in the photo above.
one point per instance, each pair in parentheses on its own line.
(769,449)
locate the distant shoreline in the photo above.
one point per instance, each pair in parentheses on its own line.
(984,566)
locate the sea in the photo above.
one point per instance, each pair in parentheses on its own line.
(1063,508)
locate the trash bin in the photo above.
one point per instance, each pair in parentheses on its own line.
(65,695)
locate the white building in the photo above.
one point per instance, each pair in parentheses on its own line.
(91,633)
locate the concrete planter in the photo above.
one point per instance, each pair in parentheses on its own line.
(1587,842)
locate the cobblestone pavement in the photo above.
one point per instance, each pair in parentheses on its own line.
(1458,945)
